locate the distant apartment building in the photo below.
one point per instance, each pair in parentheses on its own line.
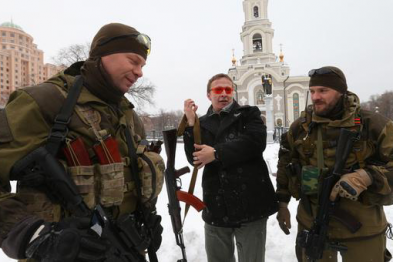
(21,62)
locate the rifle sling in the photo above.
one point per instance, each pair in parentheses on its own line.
(135,174)
(197,140)
(59,130)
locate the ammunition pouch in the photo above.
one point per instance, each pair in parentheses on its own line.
(310,177)
(83,177)
(309,184)
(151,169)
(33,192)
(39,204)
(111,184)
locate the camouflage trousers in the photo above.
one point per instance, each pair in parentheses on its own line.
(372,249)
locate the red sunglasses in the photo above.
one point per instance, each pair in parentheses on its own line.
(219,90)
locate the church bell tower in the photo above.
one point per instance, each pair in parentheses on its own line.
(257,33)
(261,78)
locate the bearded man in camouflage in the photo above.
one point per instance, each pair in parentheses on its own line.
(307,154)
(95,152)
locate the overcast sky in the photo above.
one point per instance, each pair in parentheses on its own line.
(193,40)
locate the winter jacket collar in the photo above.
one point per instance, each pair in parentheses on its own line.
(351,110)
(65,81)
(218,123)
(226,109)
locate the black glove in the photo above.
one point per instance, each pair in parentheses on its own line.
(154,223)
(132,231)
(67,241)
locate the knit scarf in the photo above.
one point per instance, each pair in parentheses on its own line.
(98,82)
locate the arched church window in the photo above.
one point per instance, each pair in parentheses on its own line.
(259,99)
(257,43)
(256,12)
(296,106)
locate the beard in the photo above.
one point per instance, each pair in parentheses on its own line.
(325,111)
(331,110)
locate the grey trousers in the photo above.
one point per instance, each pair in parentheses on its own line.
(250,242)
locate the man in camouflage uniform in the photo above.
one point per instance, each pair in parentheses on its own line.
(35,227)
(307,154)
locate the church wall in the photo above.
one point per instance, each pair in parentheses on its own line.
(291,91)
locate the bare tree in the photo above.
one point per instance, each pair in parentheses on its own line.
(142,92)
(381,104)
(71,54)
(166,120)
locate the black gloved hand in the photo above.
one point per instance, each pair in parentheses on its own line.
(67,241)
(154,223)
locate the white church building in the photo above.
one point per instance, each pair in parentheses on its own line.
(259,63)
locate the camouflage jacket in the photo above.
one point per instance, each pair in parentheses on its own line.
(25,123)
(373,152)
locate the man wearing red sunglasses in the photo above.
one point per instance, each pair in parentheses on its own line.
(237,189)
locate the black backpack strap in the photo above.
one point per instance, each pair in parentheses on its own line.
(59,130)
(134,163)
(135,173)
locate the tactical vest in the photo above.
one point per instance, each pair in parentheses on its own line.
(305,137)
(100,171)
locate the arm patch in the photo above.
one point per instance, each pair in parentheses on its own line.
(5,131)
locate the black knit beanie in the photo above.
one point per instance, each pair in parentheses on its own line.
(329,76)
(117,38)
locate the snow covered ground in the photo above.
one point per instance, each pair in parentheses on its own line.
(279,247)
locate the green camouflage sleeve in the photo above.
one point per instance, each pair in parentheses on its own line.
(26,128)
(22,129)
(284,158)
(381,191)
(138,125)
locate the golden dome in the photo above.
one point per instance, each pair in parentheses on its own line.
(281,56)
(233,58)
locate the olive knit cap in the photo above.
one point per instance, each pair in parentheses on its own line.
(118,38)
(329,76)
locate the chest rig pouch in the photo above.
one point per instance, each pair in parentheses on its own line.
(108,174)
(318,140)
(151,169)
(101,182)
(146,165)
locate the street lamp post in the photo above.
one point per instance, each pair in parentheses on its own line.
(236,94)
(267,85)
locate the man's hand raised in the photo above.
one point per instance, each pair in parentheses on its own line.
(203,155)
(190,109)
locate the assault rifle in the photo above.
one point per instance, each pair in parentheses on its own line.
(315,240)
(42,170)
(173,186)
